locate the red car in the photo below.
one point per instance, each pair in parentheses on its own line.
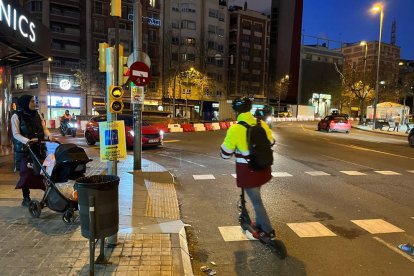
(150,135)
(335,123)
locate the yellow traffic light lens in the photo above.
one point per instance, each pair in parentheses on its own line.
(117,106)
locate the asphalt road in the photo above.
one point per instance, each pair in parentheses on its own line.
(340,202)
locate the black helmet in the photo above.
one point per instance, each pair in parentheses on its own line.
(242,104)
(66,111)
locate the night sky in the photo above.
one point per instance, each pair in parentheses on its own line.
(351,21)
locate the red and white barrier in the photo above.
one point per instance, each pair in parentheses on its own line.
(216,126)
(187,127)
(175,128)
(199,127)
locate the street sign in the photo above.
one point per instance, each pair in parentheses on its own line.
(142,56)
(139,73)
(112,141)
(137,95)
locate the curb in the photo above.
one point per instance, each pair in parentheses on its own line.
(401,134)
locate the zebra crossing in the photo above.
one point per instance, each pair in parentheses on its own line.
(314,174)
(314,229)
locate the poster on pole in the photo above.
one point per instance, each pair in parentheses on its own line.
(137,95)
(112,141)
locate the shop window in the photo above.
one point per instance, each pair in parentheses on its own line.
(34,83)
(98,7)
(18,82)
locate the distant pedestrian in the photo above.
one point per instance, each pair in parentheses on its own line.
(397,121)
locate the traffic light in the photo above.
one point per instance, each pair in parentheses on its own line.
(122,66)
(115,99)
(116,8)
(102,56)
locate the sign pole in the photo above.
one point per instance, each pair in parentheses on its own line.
(137,42)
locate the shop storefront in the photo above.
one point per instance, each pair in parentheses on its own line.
(23,41)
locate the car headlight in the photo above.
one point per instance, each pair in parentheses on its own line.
(162,134)
(71,125)
(95,128)
(269,119)
(131,132)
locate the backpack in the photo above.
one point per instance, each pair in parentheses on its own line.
(260,148)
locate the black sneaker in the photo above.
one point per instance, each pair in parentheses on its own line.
(267,236)
(26,201)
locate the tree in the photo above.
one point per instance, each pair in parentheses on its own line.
(356,86)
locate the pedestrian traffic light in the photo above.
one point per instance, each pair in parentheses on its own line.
(116,8)
(102,56)
(115,99)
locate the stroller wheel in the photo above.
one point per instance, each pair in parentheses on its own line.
(68,216)
(34,208)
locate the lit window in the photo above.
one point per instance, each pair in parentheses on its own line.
(152,3)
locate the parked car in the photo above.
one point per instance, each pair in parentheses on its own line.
(335,123)
(150,135)
(411,138)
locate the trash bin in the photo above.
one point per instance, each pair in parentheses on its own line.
(104,189)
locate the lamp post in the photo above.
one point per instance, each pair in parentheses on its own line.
(377,8)
(282,83)
(186,92)
(49,60)
(364,43)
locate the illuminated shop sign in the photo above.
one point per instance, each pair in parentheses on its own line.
(65,84)
(17,21)
(67,102)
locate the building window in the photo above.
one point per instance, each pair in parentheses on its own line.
(188,24)
(98,25)
(188,7)
(246,38)
(213,13)
(35,6)
(190,41)
(152,36)
(175,7)
(34,83)
(174,24)
(221,17)
(152,3)
(211,45)
(98,7)
(175,40)
(211,29)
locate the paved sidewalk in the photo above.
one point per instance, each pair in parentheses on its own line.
(401,131)
(151,237)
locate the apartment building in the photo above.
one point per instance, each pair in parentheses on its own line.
(195,56)
(249,45)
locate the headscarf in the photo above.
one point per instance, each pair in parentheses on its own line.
(23,102)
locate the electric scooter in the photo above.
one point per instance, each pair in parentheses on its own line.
(276,246)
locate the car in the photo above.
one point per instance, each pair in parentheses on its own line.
(335,123)
(151,137)
(411,138)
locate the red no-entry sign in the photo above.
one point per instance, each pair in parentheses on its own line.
(139,73)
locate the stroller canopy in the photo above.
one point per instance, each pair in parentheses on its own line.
(70,153)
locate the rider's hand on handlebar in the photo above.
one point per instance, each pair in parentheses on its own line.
(52,139)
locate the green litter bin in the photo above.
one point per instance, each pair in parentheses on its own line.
(104,189)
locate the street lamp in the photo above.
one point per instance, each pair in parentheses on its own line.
(364,43)
(377,8)
(282,82)
(49,60)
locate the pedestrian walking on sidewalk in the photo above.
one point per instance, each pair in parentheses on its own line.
(397,121)
(251,180)
(28,129)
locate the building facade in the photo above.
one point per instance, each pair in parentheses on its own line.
(285,43)
(249,45)
(195,56)
(320,77)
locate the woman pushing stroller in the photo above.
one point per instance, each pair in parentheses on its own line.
(28,129)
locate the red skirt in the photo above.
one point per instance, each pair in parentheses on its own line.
(248,178)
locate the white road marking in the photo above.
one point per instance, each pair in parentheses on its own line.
(353,173)
(281,174)
(171,141)
(394,248)
(234,175)
(203,177)
(387,173)
(311,230)
(410,171)
(191,162)
(317,173)
(377,226)
(235,233)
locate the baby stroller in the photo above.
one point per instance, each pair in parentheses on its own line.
(70,164)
